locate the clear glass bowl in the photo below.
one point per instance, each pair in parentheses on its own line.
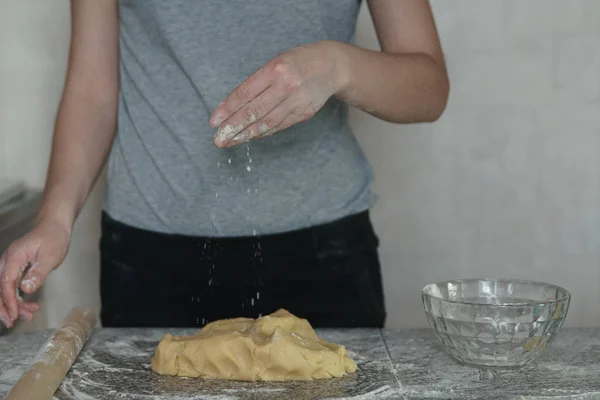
(495,323)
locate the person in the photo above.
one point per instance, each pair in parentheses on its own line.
(272,210)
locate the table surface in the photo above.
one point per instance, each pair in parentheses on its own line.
(405,364)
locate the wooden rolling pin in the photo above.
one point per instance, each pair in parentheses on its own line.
(54,359)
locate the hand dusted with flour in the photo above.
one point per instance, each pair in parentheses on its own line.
(289,89)
(276,347)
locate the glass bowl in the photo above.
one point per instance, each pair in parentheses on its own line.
(495,323)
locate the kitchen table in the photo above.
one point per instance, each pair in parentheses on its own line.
(393,364)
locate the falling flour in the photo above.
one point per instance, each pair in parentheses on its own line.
(257,252)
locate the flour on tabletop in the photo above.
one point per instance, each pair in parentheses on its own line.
(70,390)
(585,396)
(567,369)
(76,381)
(13,374)
(254,390)
(382,392)
(124,349)
(92,363)
(162,397)
(79,379)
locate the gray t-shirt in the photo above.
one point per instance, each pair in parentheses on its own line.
(179,60)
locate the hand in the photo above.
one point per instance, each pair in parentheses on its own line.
(287,90)
(34,256)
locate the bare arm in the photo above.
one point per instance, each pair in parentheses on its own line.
(84,131)
(405,82)
(86,121)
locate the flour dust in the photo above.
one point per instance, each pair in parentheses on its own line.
(211,246)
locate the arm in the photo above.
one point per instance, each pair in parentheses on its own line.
(406,82)
(87,117)
(84,131)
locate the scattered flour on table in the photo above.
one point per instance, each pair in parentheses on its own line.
(428,394)
(74,393)
(404,366)
(440,390)
(254,390)
(76,380)
(124,349)
(88,361)
(163,397)
(383,392)
(585,396)
(567,369)
(358,358)
(564,391)
(13,374)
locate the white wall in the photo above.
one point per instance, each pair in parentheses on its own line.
(507,183)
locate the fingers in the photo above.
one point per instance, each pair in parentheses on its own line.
(267,123)
(30,306)
(26,314)
(282,90)
(3,312)
(287,113)
(4,317)
(6,321)
(8,279)
(34,278)
(251,112)
(10,272)
(244,93)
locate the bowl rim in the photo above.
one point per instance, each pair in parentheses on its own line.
(566,297)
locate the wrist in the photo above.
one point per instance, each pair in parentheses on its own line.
(57,212)
(341,53)
(61,221)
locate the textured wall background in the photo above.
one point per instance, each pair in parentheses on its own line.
(507,183)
